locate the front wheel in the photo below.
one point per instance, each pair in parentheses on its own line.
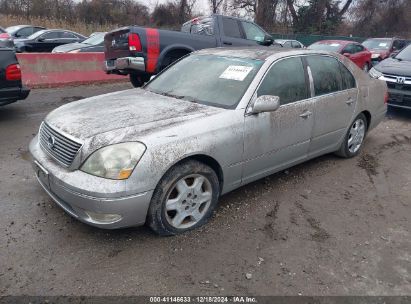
(184,199)
(354,138)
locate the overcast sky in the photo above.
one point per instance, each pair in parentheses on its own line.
(201,5)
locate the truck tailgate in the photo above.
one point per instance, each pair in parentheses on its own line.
(116,44)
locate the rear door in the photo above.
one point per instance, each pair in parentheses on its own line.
(275,140)
(231,32)
(335,101)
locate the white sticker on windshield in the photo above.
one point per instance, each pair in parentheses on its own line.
(236,72)
(383,44)
(335,44)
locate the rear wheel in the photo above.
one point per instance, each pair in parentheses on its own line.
(354,138)
(138,80)
(184,199)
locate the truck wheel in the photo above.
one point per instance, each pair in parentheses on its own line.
(184,199)
(138,80)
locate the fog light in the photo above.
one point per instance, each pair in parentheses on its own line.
(105,218)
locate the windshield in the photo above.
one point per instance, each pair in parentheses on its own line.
(329,47)
(405,54)
(12,29)
(95,39)
(36,34)
(379,44)
(207,79)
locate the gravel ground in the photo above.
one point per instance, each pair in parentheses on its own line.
(326,227)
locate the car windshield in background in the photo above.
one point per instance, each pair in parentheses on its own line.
(405,54)
(206,79)
(95,39)
(36,34)
(11,29)
(329,47)
(377,44)
(2,31)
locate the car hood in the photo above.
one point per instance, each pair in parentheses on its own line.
(395,67)
(70,47)
(139,111)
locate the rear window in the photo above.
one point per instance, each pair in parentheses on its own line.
(326,74)
(231,28)
(329,47)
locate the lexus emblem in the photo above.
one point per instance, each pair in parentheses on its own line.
(51,141)
(401,80)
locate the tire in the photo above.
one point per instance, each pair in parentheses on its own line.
(354,138)
(138,80)
(184,199)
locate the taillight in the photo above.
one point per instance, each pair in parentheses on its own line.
(134,43)
(386,97)
(13,72)
(4,36)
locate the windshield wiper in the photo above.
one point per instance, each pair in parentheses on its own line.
(188,98)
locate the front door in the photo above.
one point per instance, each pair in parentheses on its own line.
(276,140)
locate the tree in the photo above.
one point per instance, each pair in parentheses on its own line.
(318,16)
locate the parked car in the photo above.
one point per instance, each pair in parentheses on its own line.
(396,72)
(94,43)
(141,52)
(383,48)
(11,87)
(6,41)
(47,40)
(293,44)
(351,49)
(23,31)
(210,123)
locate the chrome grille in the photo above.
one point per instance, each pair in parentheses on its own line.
(58,146)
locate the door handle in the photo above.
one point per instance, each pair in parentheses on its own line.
(227,43)
(350,101)
(306,114)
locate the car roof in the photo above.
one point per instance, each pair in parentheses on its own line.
(257,52)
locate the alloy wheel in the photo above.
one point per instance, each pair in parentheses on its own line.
(356,136)
(188,201)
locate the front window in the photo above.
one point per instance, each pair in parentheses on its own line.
(286,79)
(377,44)
(206,79)
(253,32)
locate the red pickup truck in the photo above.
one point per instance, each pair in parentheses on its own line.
(141,52)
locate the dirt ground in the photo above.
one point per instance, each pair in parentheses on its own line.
(327,227)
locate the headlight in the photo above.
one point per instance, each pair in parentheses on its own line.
(375,74)
(114,162)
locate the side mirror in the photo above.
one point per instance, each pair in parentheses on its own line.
(41,39)
(347,55)
(265,103)
(268,40)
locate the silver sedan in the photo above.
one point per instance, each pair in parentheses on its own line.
(210,123)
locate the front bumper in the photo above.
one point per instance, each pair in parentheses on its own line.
(399,94)
(130,210)
(125,63)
